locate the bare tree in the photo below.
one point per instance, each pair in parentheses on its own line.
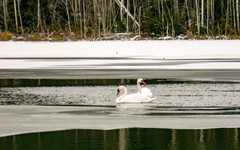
(127,12)
(53,9)
(159,9)
(128,6)
(68,16)
(39,16)
(76,10)
(212,14)
(197,14)
(175,8)
(95,10)
(72,6)
(121,11)
(20,16)
(15,13)
(234,15)
(202,13)
(163,14)
(237,12)
(104,16)
(207,15)
(84,21)
(5,14)
(188,15)
(169,14)
(98,17)
(139,16)
(227,17)
(80,18)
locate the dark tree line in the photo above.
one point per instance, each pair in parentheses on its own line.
(97,18)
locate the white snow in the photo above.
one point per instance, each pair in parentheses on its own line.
(177,49)
(148,52)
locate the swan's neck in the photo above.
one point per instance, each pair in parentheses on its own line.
(122,96)
(139,88)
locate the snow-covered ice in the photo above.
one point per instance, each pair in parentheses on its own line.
(157,49)
(129,59)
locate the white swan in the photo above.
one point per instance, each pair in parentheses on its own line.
(131,98)
(144,90)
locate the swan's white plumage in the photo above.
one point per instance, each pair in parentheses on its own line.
(132,98)
(144,91)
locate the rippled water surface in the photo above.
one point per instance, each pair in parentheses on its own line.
(186,94)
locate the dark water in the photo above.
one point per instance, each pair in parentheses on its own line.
(126,139)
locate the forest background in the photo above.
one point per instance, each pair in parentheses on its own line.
(60,20)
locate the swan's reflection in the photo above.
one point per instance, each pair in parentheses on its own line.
(133,109)
(123,139)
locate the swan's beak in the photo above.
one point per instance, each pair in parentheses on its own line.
(143,83)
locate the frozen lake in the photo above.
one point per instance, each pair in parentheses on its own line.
(196,85)
(167,60)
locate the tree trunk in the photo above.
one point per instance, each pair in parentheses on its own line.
(99,26)
(207,15)
(159,10)
(188,15)
(202,14)
(127,15)
(72,4)
(139,16)
(20,17)
(237,6)
(197,14)
(80,18)
(212,14)
(54,13)
(162,17)
(169,14)
(126,11)
(227,17)
(15,13)
(121,11)
(68,16)
(234,15)
(76,10)
(39,17)
(110,16)
(175,8)
(5,15)
(84,20)
(95,17)
(135,13)
(104,16)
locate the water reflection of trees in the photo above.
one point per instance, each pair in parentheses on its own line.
(124,139)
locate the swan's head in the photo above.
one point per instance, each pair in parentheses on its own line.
(140,80)
(120,88)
